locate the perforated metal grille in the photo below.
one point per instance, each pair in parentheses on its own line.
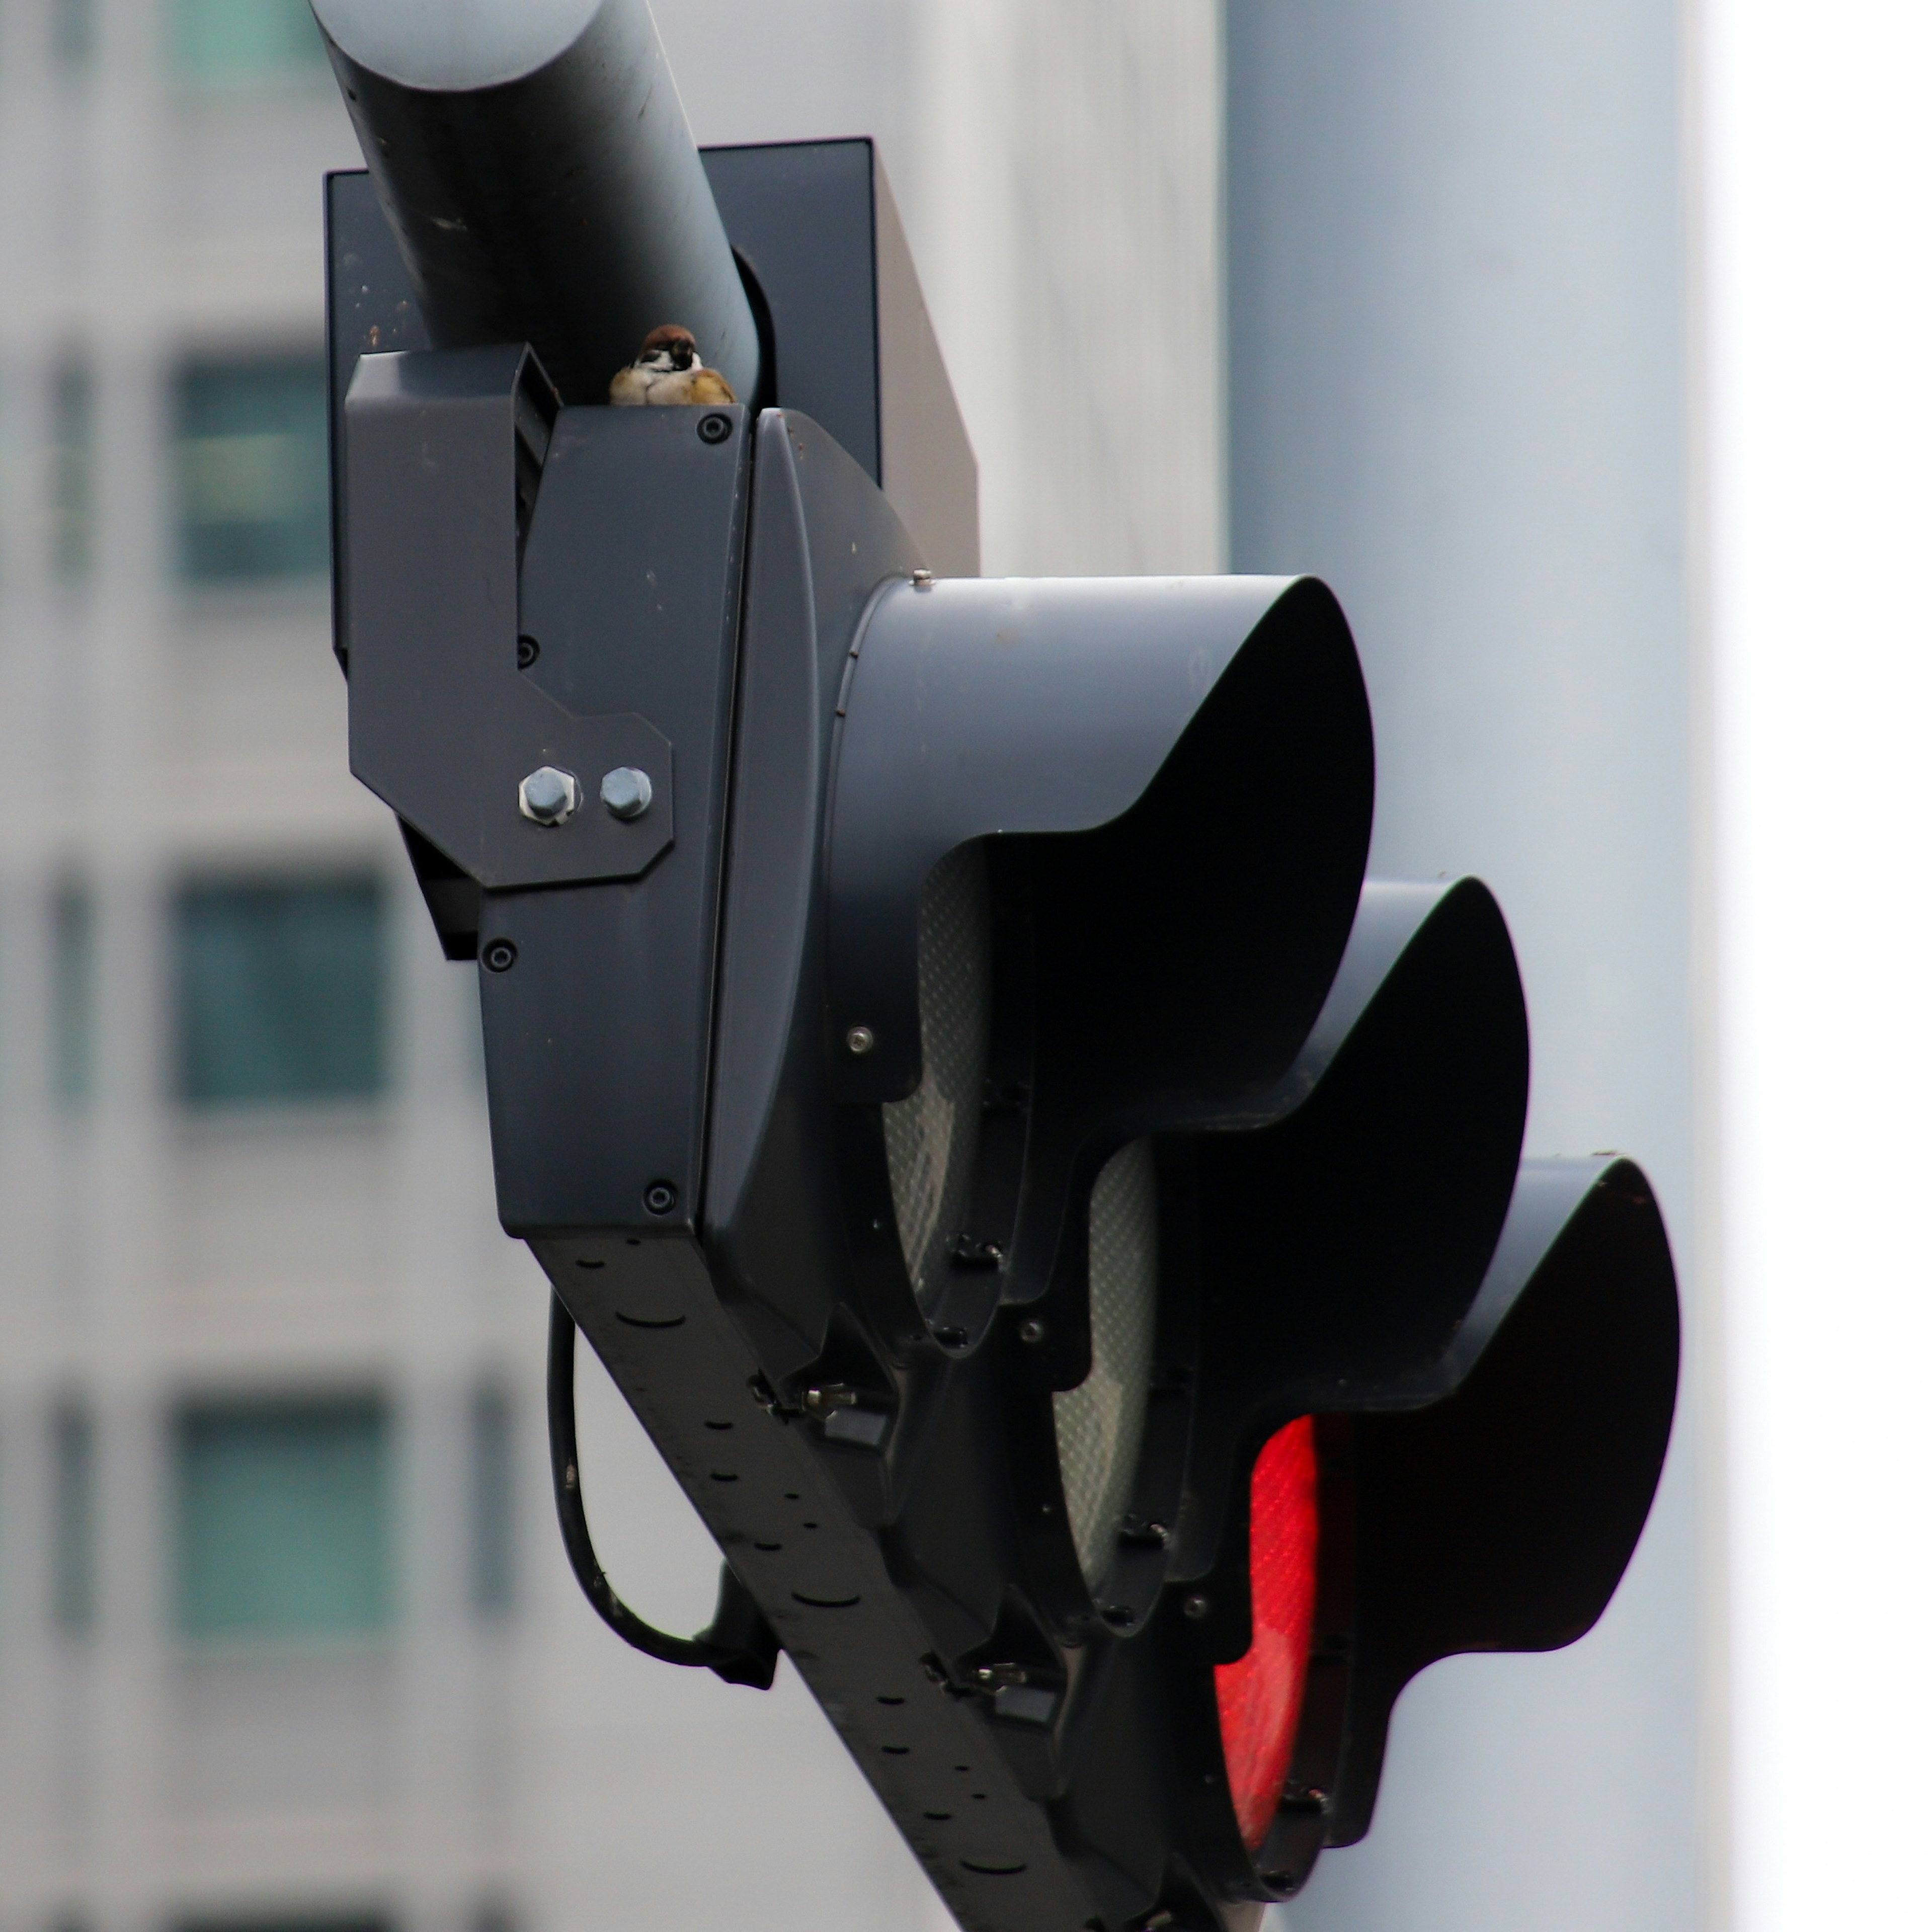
(930,1135)
(1099,1424)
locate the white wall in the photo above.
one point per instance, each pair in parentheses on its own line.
(1816,152)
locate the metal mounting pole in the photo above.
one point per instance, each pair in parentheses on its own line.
(536,165)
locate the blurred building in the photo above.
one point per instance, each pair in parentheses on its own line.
(287,1644)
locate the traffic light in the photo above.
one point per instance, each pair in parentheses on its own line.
(1063,1228)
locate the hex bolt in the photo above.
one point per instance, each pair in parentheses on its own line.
(859,1040)
(626,792)
(549,796)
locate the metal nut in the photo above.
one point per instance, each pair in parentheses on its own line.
(626,792)
(548,796)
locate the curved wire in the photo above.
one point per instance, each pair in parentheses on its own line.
(750,1658)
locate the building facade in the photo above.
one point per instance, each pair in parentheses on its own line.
(287,1644)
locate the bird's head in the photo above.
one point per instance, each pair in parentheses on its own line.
(668,347)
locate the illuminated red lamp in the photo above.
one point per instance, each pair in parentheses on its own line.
(1260,1694)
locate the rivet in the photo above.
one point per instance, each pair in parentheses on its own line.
(713,429)
(500,956)
(660,1197)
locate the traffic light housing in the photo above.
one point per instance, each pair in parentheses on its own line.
(1063,1228)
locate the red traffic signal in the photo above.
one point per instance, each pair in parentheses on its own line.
(1065,1232)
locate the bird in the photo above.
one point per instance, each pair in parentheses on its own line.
(668,369)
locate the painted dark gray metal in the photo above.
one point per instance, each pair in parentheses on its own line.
(372,311)
(849,341)
(1171,783)
(443,723)
(1502,1517)
(799,214)
(559,202)
(955,728)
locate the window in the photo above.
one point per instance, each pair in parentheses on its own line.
(251,469)
(71,430)
(74,1519)
(246,43)
(295,1922)
(279,990)
(73,34)
(283,1520)
(492,1575)
(72,1043)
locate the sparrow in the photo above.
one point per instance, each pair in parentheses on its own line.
(668,369)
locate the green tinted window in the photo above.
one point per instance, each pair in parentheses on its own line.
(73,1513)
(71,427)
(283,1520)
(492,1575)
(246,43)
(251,469)
(281,987)
(73,1042)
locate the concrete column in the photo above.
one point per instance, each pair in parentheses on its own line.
(1455,392)
(1066,212)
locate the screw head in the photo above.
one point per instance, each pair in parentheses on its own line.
(549,796)
(660,1197)
(528,651)
(714,428)
(500,956)
(921,580)
(859,1040)
(1034,1330)
(1195,1606)
(626,792)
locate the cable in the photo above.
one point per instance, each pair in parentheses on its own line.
(738,1643)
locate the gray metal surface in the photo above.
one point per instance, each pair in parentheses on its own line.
(815,222)
(955,728)
(597,1034)
(821,537)
(443,723)
(1098,1425)
(650,1310)
(535,164)
(931,1136)
(1456,354)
